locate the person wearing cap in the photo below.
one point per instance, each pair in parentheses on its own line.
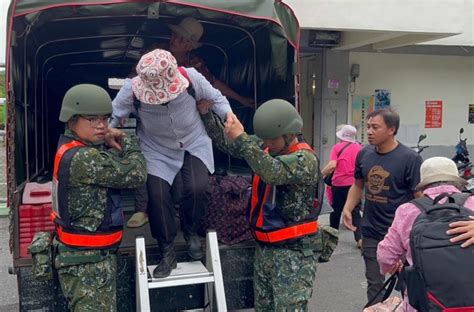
(388,172)
(281,213)
(342,165)
(174,141)
(92,163)
(438,175)
(184,40)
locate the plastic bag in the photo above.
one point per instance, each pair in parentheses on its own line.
(392,304)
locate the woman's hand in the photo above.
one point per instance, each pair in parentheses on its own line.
(397,267)
(233,127)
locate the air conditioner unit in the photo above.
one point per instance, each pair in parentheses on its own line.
(324,38)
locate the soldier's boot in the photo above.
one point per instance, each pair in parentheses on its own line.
(167,263)
(193,243)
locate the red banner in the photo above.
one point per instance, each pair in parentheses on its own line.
(434,114)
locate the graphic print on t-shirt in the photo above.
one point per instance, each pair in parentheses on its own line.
(376,184)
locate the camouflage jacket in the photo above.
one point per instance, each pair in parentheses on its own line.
(93,170)
(295,174)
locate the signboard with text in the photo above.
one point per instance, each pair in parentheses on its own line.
(433,114)
(471,113)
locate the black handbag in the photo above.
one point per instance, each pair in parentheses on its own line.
(328,178)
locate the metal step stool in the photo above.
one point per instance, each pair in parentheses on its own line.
(186,273)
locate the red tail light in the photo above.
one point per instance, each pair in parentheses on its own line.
(467,172)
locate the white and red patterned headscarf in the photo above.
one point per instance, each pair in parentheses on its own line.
(159,80)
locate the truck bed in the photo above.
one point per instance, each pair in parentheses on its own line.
(237,267)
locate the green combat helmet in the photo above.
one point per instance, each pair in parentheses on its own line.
(276,118)
(85,99)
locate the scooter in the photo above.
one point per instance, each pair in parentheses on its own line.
(462,157)
(463,163)
(419,148)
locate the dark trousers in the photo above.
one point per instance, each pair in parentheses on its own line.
(141,199)
(339,197)
(375,280)
(193,201)
(141,194)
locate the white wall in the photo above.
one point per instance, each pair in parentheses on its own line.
(413,79)
(467,36)
(425,16)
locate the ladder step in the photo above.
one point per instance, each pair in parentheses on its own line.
(186,273)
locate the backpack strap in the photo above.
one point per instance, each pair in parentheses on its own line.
(454,201)
(461,198)
(424,204)
(190,89)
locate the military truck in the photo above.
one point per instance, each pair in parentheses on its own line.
(53,45)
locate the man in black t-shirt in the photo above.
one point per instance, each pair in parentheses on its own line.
(388,171)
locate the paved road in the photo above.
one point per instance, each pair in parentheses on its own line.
(8,287)
(340,284)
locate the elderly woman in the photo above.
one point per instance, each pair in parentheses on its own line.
(438,175)
(342,165)
(173,140)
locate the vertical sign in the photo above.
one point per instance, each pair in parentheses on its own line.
(471,113)
(361,106)
(433,114)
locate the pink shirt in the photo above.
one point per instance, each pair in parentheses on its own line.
(397,241)
(345,167)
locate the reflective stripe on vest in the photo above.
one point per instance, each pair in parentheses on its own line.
(278,235)
(291,232)
(76,238)
(59,155)
(92,240)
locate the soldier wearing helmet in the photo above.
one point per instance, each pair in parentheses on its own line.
(281,212)
(92,163)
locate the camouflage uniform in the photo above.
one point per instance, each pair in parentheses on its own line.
(283,274)
(87,277)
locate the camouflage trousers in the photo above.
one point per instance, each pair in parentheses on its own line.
(90,286)
(283,279)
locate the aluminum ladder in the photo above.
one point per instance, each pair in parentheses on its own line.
(186,273)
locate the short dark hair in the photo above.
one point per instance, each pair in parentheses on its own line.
(72,121)
(390,117)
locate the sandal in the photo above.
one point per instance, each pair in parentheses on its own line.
(137,220)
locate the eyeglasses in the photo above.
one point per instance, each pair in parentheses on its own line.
(97,121)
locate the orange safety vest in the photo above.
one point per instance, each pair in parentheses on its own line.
(108,234)
(268,225)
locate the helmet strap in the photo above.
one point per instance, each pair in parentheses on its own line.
(288,140)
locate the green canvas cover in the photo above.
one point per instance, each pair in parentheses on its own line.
(259,9)
(52,45)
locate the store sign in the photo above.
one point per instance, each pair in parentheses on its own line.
(433,114)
